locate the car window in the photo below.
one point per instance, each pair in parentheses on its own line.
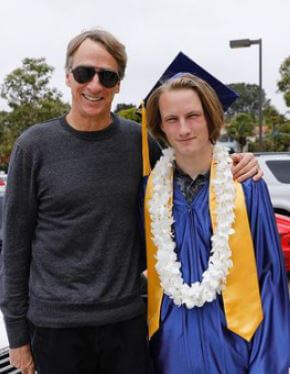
(280,169)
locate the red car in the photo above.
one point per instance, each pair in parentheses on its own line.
(283,223)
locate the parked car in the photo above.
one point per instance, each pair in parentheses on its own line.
(276,168)
(283,224)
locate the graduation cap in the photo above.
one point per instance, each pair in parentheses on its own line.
(183,64)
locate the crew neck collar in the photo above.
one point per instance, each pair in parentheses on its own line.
(107,132)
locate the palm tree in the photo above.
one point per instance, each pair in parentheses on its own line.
(241,127)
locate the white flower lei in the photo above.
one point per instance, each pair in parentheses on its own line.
(167,266)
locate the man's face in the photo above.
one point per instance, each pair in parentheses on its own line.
(92,100)
(183,122)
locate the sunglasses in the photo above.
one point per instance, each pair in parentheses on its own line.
(84,74)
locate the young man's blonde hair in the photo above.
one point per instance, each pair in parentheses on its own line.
(110,43)
(211,105)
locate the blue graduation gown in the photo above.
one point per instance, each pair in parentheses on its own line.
(197,341)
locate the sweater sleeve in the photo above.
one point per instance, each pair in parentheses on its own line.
(270,346)
(19,217)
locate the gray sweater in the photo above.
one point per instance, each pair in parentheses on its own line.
(71,249)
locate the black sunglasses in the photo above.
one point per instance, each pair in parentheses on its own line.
(84,74)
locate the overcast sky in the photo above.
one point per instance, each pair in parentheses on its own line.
(153,32)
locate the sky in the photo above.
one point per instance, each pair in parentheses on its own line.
(154,31)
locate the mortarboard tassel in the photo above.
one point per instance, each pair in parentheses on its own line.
(145,147)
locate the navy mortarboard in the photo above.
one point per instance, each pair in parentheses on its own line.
(183,64)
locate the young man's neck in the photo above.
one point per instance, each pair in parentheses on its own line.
(81,123)
(195,164)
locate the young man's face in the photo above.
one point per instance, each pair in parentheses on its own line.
(183,122)
(92,100)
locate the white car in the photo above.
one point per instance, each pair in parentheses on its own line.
(276,168)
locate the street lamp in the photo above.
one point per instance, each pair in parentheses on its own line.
(241,43)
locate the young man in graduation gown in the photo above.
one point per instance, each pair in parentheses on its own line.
(217,294)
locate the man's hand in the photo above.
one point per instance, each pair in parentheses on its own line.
(245,165)
(22,359)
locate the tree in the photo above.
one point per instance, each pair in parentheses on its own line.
(29,84)
(277,136)
(131,113)
(3,115)
(281,137)
(241,127)
(284,82)
(30,99)
(248,100)
(276,139)
(123,106)
(272,117)
(25,115)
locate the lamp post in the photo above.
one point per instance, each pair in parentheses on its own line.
(241,43)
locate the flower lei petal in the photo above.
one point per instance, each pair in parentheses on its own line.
(167,265)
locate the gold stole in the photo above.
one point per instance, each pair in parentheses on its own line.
(241,296)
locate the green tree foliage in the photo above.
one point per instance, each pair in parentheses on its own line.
(279,139)
(31,100)
(284,82)
(131,113)
(123,106)
(25,115)
(241,127)
(248,100)
(3,137)
(272,118)
(3,115)
(29,83)
(277,136)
